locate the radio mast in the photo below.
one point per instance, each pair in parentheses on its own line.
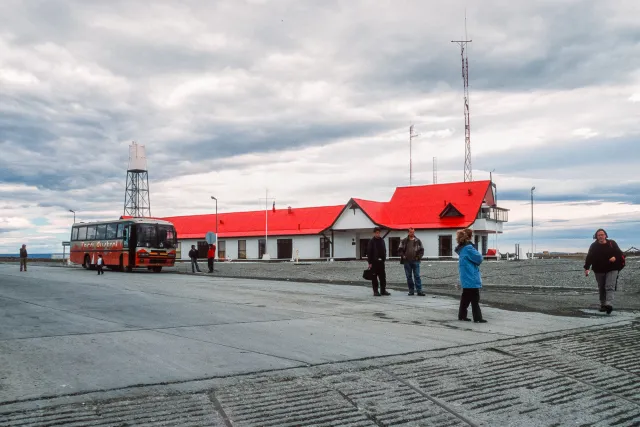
(467,121)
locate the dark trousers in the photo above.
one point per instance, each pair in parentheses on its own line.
(378,272)
(194,265)
(99,267)
(210,264)
(470,296)
(23,264)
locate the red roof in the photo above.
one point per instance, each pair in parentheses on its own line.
(420,206)
(416,206)
(311,220)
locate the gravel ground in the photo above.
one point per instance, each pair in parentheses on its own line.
(549,286)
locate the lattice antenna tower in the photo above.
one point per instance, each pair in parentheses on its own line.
(435,170)
(137,202)
(467,121)
(411,136)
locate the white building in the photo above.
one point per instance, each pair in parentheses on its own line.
(342,232)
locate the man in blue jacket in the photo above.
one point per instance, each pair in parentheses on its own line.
(469,268)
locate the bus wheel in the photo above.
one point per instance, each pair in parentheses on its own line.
(157,269)
(87,262)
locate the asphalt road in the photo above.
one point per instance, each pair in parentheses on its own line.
(174,349)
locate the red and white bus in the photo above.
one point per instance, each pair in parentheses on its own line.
(125,244)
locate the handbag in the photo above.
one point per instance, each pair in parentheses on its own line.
(401,260)
(367,274)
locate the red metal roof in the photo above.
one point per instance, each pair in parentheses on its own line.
(415,206)
(311,220)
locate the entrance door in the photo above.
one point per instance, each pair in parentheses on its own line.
(445,246)
(485,243)
(364,243)
(262,245)
(133,239)
(285,248)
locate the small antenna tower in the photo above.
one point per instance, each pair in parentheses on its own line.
(411,136)
(467,122)
(136,197)
(435,170)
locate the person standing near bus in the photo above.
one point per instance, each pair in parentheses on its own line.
(23,258)
(100,265)
(211,254)
(193,254)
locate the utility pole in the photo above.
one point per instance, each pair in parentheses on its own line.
(532,188)
(411,136)
(266,222)
(467,120)
(435,170)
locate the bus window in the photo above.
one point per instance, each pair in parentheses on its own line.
(120,233)
(74,233)
(91,232)
(147,236)
(167,237)
(82,233)
(111,231)
(101,231)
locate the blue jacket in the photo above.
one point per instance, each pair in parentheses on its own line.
(469,266)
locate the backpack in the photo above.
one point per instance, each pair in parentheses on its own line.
(622,262)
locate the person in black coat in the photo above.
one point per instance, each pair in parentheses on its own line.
(193,254)
(376,255)
(606,259)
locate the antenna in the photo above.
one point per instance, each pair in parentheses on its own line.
(411,136)
(137,202)
(467,121)
(435,170)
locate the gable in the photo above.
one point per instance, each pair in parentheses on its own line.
(353,217)
(450,211)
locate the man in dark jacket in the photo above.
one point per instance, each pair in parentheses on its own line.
(376,255)
(193,254)
(606,259)
(23,257)
(411,252)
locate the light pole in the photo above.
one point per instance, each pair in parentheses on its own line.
(532,188)
(213,198)
(74,215)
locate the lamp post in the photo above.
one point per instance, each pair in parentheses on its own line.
(532,188)
(213,198)
(74,215)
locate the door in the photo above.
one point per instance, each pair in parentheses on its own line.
(445,248)
(285,248)
(394,244)
(262,247)
(485,243)
(364,243)
(133,238)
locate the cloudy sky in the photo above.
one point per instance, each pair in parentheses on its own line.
(313,100)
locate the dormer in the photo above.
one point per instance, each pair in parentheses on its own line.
(450,211)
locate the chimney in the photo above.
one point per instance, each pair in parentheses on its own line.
(290,211)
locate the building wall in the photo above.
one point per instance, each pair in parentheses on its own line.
(308,246)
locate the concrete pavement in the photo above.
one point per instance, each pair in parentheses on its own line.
(229,347)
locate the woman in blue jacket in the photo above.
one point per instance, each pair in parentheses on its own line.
(469,268)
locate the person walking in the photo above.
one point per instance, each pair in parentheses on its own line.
(606,259)
(23,257)
(211,253)
(376,256)
(100,264)
(411,252)
(469,260)
(193,254)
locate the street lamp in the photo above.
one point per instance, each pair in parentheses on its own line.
(74,215)
(532,188)
(213,198)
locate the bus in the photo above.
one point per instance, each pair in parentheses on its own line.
(124,244)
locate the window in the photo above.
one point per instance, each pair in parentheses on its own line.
(91,232)
(325,248)
(203,248)
(111,231)
(222,249)
(364,244)
(101,231)
(394,243)
(262,247)
(82,233)
(450,211)
(285,248)
(242,249)
(445,246)
(120,231)
(74,233)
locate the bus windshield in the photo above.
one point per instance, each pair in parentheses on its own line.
(156,236)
